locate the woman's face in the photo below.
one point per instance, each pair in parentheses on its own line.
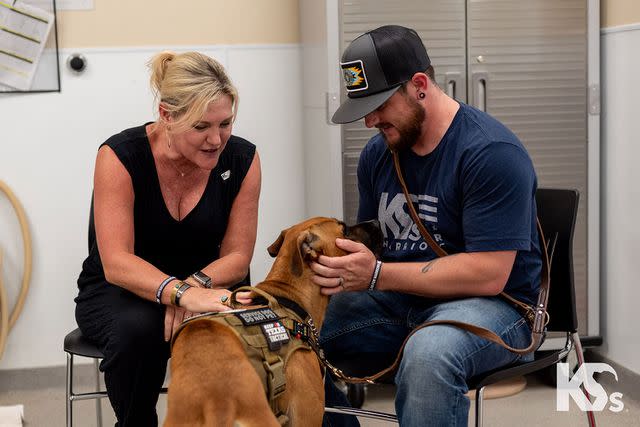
(203,143)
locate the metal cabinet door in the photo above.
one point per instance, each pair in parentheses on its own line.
(441,25)
(528,68)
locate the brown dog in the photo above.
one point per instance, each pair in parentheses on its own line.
(212,381)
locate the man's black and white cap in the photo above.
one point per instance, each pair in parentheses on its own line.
(375,65)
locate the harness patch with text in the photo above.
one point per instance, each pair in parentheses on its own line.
(276,334)
(257,316)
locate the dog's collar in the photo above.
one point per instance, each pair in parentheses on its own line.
(286,303)
(293,306)
(298,330)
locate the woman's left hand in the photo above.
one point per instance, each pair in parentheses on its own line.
(244,297)
(173,318)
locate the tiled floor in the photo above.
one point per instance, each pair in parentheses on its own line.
(535,406)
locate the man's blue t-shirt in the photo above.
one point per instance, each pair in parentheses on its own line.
(475,192)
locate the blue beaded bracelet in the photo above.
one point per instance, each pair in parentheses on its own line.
(164,283)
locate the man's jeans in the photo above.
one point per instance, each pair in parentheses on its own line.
(437,360)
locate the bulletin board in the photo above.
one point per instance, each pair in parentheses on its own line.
(29,60)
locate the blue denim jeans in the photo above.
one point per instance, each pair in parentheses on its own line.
(437,360)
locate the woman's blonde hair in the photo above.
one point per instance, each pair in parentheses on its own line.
(186,83)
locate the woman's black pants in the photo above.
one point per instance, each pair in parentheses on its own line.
(130,332)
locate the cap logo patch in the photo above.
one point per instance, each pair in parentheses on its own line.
(354,76)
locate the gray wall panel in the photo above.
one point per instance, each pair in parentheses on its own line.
(534,53)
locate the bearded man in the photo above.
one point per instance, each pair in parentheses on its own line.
(473,185)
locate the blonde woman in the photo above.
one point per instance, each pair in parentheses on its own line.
(175,212)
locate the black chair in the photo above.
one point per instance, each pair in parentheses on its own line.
(557,211)
(77,345)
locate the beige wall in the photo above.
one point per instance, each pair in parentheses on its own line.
(619,12)
(182,22)
(192,22)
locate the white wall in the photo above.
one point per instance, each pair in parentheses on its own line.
(48,144)
(620,291)
(322,143)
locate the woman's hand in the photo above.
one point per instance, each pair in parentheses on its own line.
(197,300)
(201,300)
(173,317)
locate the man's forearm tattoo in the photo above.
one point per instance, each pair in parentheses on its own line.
(428,266)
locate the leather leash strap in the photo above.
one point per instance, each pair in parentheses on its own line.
(536,316)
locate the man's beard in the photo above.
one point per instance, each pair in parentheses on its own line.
(410,130)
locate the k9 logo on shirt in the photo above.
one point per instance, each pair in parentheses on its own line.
(399,230)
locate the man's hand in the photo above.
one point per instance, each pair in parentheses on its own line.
(351,272)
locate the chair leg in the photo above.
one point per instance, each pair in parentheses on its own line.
(96,363)
(69,389)
(355,395)
(479,400)
(578,346)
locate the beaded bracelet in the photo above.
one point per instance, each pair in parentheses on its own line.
(163,285)
(376,274)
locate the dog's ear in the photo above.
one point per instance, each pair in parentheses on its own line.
(274,248)
(304,251)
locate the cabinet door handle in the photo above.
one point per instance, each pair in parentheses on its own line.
(479,81)
(453,84)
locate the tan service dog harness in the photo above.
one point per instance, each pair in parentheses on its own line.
(270,335)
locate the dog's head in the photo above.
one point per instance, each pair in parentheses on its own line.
(308,240)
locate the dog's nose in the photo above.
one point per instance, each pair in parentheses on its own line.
(372,223)
(369,233)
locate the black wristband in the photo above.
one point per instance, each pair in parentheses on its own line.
(376,274)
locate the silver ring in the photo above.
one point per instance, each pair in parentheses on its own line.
(224,299)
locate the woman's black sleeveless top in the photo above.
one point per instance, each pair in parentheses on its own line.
(177,248)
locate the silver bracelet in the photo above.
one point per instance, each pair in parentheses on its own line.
(183,288)
(376,274)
